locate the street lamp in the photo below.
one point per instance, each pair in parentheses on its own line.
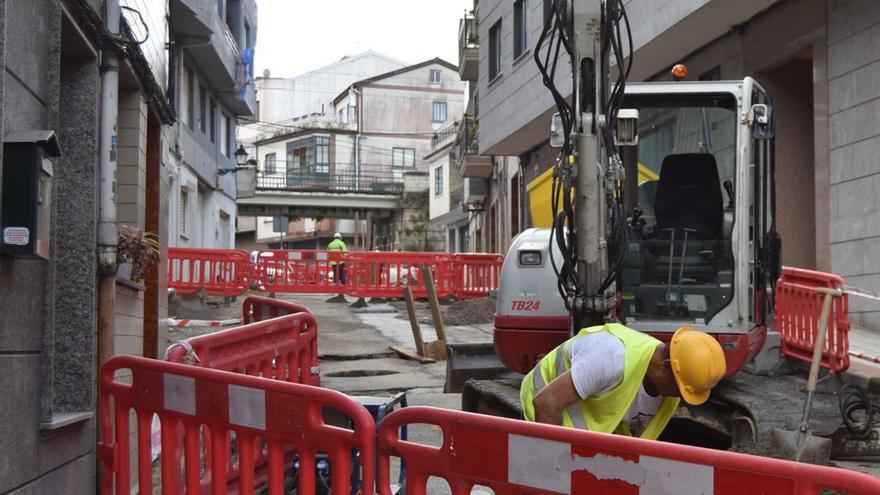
(241,162)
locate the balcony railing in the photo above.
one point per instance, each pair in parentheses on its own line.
(468,143)
(470,162)
(468,49)
(312,181)
(444,136)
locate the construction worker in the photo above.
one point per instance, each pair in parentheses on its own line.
(613,379)
(337,244)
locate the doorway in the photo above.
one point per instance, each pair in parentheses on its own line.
(791,86)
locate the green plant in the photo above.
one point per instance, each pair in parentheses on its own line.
(139,248)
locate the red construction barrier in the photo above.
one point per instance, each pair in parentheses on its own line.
(268,417)
(220,272)
(257,308)
(385,274)
(797,317)
(283,348)
(517,457)
(300,271)
(476,274)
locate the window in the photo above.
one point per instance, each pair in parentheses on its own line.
(212,116)
(438,181)
(435,75)
(247,36)
(308,156)
(439,113)
(403,157)
(322,155)
(203,109)
(187,98)
(548,10)
(181,214)
(270,163)
(495,50)
(520,28)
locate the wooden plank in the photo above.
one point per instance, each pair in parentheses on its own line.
(408,353)
(414,321)
(435,304)
(436,350)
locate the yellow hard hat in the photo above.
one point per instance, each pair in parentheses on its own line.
(697,362)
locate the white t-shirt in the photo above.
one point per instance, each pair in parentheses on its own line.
(597,362)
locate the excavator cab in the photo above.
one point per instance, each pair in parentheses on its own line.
(701,247)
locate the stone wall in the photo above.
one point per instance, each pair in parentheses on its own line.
(853,107)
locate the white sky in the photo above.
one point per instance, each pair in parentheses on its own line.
(296,36)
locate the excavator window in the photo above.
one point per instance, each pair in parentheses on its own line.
(679,263)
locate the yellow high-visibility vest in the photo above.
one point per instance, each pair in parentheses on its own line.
(604,413)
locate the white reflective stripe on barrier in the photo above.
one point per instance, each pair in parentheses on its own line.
(548,465)
(247,407)
(179,393)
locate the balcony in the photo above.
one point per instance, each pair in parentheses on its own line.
(475,190)
(444,136)
(318,182)
(210,44)
(470,162)
(192,18)
(468,49)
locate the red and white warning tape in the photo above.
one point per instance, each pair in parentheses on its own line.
(175,322)
(866,294)
(859,355)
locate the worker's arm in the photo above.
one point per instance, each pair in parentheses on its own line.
(554,398)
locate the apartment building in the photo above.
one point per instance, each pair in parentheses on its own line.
(304,102)
(374,140)
(212,87)
(54,97)
(819,59)
(446,207)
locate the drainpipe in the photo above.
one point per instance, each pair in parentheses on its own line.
(107,235)
(357,140)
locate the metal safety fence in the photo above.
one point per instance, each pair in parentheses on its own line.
(242,418)
(358,274)
(511,457)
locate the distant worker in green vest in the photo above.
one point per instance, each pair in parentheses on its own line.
(613,379)
(338,269)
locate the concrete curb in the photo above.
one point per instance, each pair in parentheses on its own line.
(179,323)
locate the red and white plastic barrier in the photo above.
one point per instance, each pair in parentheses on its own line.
(517,457)
(797,317)
(366,273)
(257,308)
(267,417)
(283,348)
(221,272)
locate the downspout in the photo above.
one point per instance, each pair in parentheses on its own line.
(107,234)
(357,140)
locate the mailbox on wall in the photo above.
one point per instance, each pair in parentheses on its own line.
(27,192)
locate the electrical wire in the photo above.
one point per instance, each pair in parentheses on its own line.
(857,410)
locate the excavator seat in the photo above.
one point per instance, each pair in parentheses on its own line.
(688,204)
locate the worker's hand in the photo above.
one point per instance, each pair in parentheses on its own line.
(554,398)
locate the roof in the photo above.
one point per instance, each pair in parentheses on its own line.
(362,82)
(344,60)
